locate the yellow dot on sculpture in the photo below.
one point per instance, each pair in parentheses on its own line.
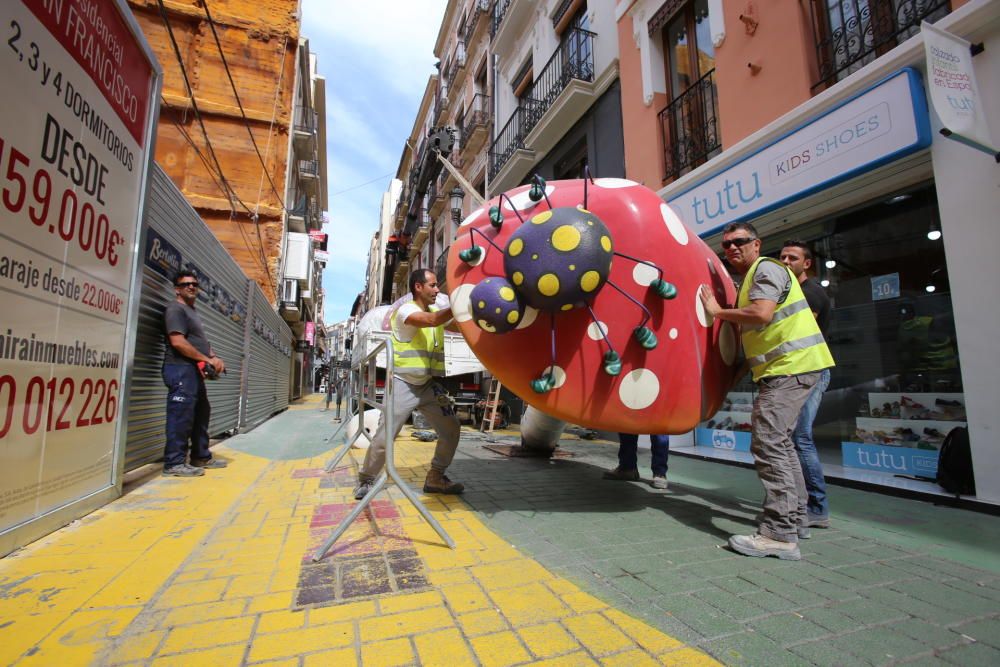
(606,243)
(482,304)
(535,256)
(589,281)
(566,238)
(486,326)
(542,218)
(549,284)
(518,277)
(498,311)
(572,267)
(512,317)
(515,247)
(567,306)
(507,294)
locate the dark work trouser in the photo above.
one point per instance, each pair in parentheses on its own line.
(188,412)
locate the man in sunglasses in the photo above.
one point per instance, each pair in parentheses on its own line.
(786,354)
(188,409)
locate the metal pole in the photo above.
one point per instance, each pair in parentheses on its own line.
(390,472)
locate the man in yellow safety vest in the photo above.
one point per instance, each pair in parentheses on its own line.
(418,356)
(786,353)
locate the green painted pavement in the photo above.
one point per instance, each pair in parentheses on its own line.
(894,581)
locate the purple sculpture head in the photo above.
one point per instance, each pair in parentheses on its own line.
(495,306)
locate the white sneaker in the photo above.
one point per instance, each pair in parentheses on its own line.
(659,482)
(759,546)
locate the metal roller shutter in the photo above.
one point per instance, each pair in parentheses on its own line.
(177,238)
(271,356)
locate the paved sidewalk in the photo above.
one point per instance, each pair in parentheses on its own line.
(554,566)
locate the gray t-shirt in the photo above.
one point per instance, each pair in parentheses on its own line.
(182,318)
(771,281)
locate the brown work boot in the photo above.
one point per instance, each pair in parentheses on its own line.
(438,482)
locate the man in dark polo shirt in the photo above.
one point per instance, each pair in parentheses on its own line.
(188,410)
(798,257)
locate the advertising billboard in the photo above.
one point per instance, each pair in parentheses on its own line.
(76,134)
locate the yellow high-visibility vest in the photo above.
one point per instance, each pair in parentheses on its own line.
(423,356)
(791,343)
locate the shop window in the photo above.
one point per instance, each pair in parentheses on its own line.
(896,390)
(849,34)
(689,124)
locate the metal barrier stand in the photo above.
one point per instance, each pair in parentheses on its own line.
(367,396)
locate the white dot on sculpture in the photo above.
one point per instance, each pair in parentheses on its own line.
(639,389)
(528,318)
(597,330)
(461,303)
(727,343)
(674,224)
(472,217)
(558,374)
(522,201)
(644,274)
(614,183)
(704,319)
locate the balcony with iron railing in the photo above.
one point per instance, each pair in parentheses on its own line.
(849,34)
(456,67)
(496,15)
(440,101)
(473,20)
(304,130)
(474,125)
(440,269)
(572,61)
(309,174)
(508,140)
(689,127)
(436,196)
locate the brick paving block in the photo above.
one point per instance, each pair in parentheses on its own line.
(882,644)
(387,653)
(796,595)
(702,617)
(975,588)
(548,640)
(636,589)
(499,650)
(972,655)
(482,622)
(631,658)
(578,659)
(445,647)
(830,618)
(786,629)
(868,611)
(952,598)
(597,634)
(733,606)
(751,648)
(824,652)
(734,585)
(826,592)
(224,655)
(344,657)
(929,634)
(986,631)
(913,606)
(876,574)
(772,602)
(529,605)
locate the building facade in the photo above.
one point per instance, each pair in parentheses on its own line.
(242,135)
(811,121)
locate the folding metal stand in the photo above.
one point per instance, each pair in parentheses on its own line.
(363,374)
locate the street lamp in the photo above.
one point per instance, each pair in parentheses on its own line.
(457,195)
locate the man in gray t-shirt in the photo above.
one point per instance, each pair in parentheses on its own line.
(187,356)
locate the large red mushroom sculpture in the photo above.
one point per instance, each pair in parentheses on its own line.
(581,296)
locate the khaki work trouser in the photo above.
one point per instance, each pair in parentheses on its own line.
(775,414)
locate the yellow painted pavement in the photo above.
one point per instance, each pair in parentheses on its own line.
(207,571)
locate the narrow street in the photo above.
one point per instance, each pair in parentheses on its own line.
(553,566)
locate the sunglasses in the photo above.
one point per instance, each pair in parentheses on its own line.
(739,243)
(182,285)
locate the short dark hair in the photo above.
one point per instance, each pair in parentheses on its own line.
(184,273)
(793,243)
(419,276)
(737,226)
